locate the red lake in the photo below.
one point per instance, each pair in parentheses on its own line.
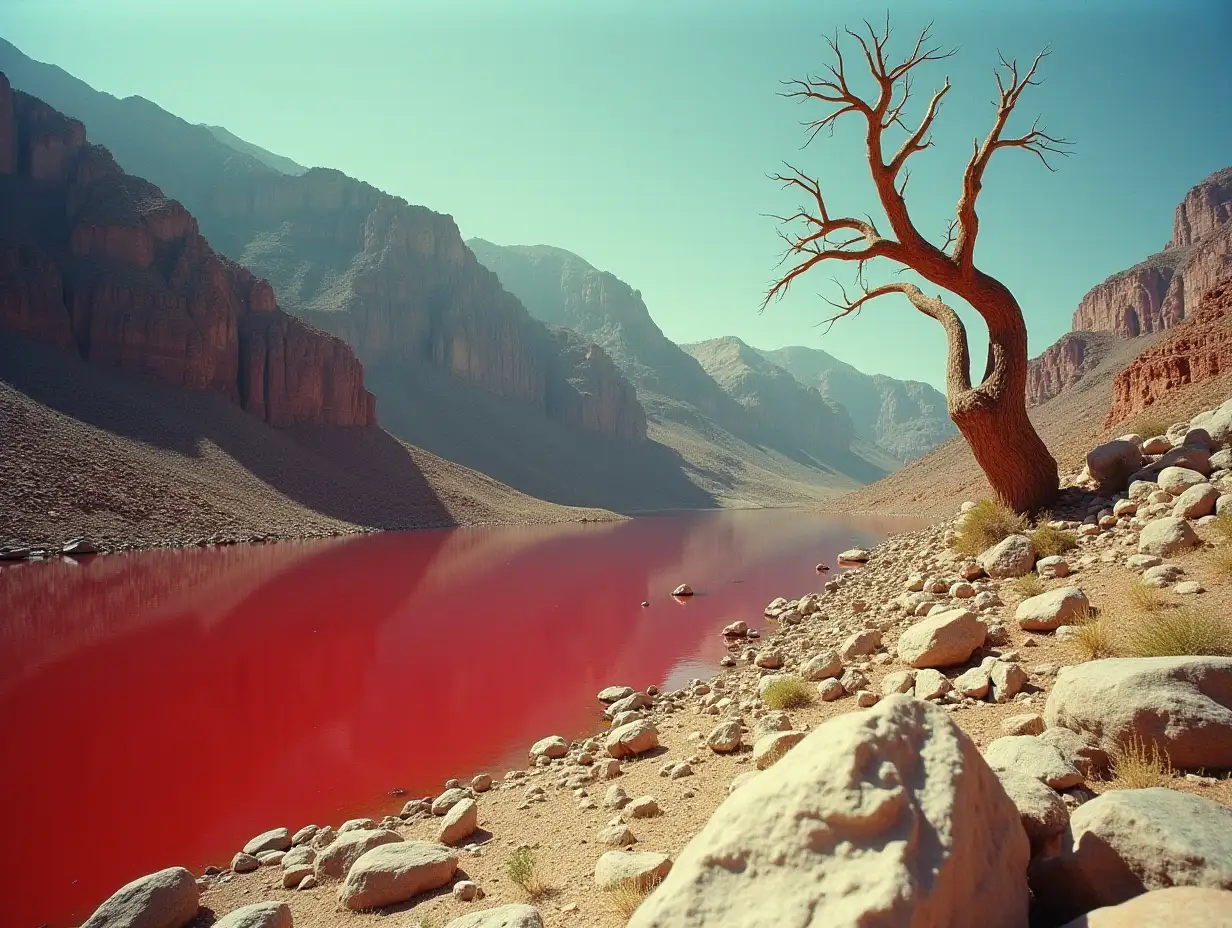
(160,708)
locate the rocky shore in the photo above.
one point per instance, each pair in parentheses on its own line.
(1036,732)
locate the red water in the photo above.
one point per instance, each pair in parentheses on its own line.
(161,708)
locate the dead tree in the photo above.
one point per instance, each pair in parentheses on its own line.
(992,414)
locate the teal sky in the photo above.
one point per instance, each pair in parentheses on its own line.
(638,133)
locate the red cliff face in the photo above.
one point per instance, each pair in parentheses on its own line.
(1205,208)
(99,262)
(1064,363)
(1197,350)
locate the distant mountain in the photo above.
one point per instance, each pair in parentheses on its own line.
(906,418)
(277,162)
(686,407)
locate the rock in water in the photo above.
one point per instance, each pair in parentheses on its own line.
(258,915)
(880,818)
(505,916)
(166,899)
(1180,705)
(393,873)
(1128,841)
(683,590)
(855,555)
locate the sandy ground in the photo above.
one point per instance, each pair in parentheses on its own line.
(564,833)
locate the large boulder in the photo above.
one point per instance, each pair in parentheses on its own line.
(1176,480)
(1217,423)
(1196,502)
(1166,536)
(644,869)
(1111,463)
(258,915)
(459,822)
(503,916)
(278,839)
(1029,756)
(631,739)
(878,818)
(551,747)
(1128,841)
(1181,705)
(393,873)
(1175,907)
(334,861)
(944,639)
(1043,812)
(1049,611)
(166,899)
(1010,557)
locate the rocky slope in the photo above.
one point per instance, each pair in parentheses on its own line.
(394,280)
(101,264)
(1158,293)
(277,162)
(1196,351)
(905,417)
(1064,363)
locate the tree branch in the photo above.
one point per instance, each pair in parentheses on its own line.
(1037,141)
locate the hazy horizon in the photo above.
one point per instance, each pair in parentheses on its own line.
(639,136)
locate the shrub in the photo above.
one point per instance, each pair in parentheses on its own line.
(1140,766)
(1147,598)
(1047,541)
(1222,526)
(788,692)
(627,895)
(1093,637)
(523,869)
(1148,425)
(1027,586)
(985,525)
(1181,633)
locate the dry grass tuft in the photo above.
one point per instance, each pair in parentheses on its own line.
(1148,425)
(1147,598)
(1093,637)
(1222,526)
(1028,585)
(1180,633)
(985,525)
(1047,541)
(1221,561)
(629,894)
(1141,766)
(523,869)
(788,693)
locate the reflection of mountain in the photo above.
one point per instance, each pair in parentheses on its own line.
(245,689)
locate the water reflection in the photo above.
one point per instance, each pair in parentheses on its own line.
(173,703)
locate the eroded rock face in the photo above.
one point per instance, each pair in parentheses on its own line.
(858,824)
(100,263)
(1064,363)
(166,899)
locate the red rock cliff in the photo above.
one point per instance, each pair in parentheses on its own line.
(1064,363)
(101,263)
(1197,350)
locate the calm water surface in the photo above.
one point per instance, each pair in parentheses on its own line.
(160,708)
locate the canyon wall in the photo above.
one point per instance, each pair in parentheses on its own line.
(1195,351)
(100,263)
(1064,363)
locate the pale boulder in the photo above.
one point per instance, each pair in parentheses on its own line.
(1181,705)
(258,915)
(1111,463)
(279,839)
(504,916)
(1176,480)
(644,869)
(944,639)
(1174,907)
(552,747)
(459,822)
(1052,567)
(165,899)
(1080,750)
(1128,841)
(855,555)
(1196,502)
(724,737)
(1029,756)
(334,861)
(1041,809)
(1166,536)
(880,818)
(632,739)
(1010,557)
(393,873)
(1052,609)
(860,643)
(769,749)
(822,666)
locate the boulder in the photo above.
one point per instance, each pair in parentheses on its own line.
(1050,610)
(1181,705)
(279,839)
(769,749)
(610,694)
(683,590)
(724,737)
(553,746)
(1010,557)
(878,818)
(632,739)
(822,666)
(244,863)
(459,822)
(1041,809)
(861,643)
(944,639)
(1087,757)
(258,915)
(642,868)
(504,916)
(393,873)
(335,860)
(1177,480)
(1217,423)
(1006,680)
(1175,907)
(1128,841)
(1032,723)
(447,800)
(166,899)
(855,555)
(1029,756)
(898,681)
(973,683)
(1166,536)
(931,684)
(1196,502)
(1111,463)
(1052,567)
